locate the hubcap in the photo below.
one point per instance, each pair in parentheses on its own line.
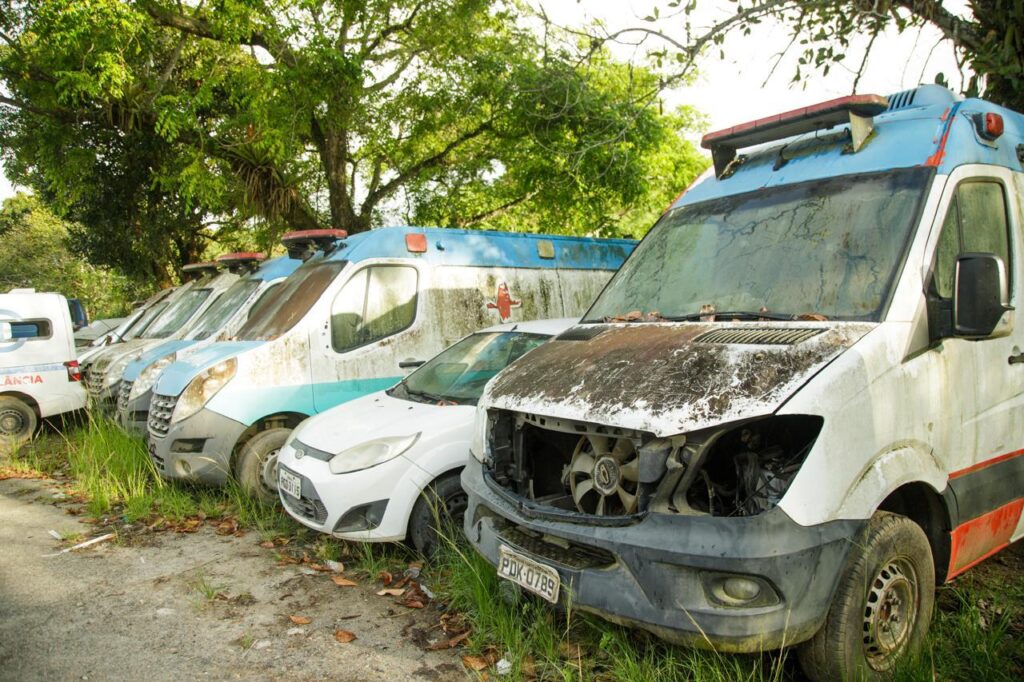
(12,423)
(890,613)
(268,472)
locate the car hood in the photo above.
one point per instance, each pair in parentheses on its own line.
(378,415)
(175,378)
(100,363)
(134,368)
(670,378)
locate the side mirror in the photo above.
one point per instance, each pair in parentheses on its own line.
(981,294)
(6,333)
(409,363)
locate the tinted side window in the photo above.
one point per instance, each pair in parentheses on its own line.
(377,302)
(31,329)
(975,222)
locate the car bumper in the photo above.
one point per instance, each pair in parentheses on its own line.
(197,449)
(368,505)
(660,573)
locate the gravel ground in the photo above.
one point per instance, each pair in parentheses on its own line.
(141,610)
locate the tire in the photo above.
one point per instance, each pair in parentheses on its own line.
(882,607)
(442,504)
(18,421)
(256,468)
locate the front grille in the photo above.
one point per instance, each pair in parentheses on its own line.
(759,336)
(160,410)
(93,381)
(158,461)
(568,554)
(309,505)
(123,395)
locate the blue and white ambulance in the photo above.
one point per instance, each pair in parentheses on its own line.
(796,407)
(360,313)
(222,319)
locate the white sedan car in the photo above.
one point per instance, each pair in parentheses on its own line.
(359,471)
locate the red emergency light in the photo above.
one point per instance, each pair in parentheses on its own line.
(416,242)
(302,244)
(989,126)
(242,260)
(200,268)
(857,110)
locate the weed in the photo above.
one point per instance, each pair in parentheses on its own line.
(206,589)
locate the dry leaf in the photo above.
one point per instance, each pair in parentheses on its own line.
(458,639)
(343,582)
(528,668)
(344,636)
(300,620)
(413,604)
(267,544)
(570,650)
(475,662)
(392,592)
(385,577)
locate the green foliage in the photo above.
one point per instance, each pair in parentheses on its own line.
(39,253)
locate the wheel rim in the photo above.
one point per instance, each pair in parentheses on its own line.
(12,423)
(455,507)
(268,472)
(890,613)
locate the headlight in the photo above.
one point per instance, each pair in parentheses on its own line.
(116,369)
(149,375)
(478,446)
(371,453)
(201,389)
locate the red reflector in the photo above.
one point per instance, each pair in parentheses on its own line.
(240,256)
(416,243)
(311,235)
(993,126)
(199,267)
(74,371)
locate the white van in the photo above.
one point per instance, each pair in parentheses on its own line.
(797,406)
(352,320)
(39,374)
(358,471)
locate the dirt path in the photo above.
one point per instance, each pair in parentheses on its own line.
(142,612)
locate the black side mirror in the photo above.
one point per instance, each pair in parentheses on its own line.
(410,362)
(981,294)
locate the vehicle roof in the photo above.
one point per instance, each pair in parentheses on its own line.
(549,327)
(275,268)
(927,126)
(482,248)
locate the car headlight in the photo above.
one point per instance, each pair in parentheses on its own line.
(478,446)
(201,389)
(371,453)
(116,369)
(149,375)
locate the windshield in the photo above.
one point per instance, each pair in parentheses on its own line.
(217,315)
(825,249)
(178,314)
(460,373)
(278,312)
(142,324)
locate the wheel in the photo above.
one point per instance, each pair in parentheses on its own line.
(256,468)
(18,421)
(441,505)
(882,606)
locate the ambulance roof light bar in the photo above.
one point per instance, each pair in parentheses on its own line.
(301,244)
(857,110)
(241,260)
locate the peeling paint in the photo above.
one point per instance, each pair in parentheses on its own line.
(654,377)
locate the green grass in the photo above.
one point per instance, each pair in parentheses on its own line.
(977,632)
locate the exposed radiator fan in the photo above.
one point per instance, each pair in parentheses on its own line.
(603,475)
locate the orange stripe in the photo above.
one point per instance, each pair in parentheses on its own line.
(980,538)
(987,463)
(936,158)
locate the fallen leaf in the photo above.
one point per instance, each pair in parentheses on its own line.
(458,639)
(300,620)
(475,662)
(267,544)
(570,650)
(343,582)
(344,636)
(392,592)
(413,604)
(528,668)
(385,577)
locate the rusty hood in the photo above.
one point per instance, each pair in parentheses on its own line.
(669,378)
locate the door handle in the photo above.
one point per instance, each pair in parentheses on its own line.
(1016,359)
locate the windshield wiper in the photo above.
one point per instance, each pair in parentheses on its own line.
(733,315)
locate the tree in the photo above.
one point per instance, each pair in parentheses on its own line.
(38,254)
(989,42)
(286,114)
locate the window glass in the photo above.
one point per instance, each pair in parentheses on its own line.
(376,303)
(831,247)
(262,299)
(459,373)
(217,315)
(177,314)
(975,222)
(140,327)
(290,302)
(31,329)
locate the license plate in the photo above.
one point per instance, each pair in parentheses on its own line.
(537,578)
(289,482)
